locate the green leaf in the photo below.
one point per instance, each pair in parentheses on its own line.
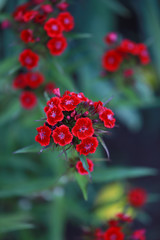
(29,149)
(27,188)
(79,35)
(82,182)
(14,222)
(117,7)
(104,146)
(114,174)
(85,165)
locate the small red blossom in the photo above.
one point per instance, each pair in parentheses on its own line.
(111,60)
(113,233)
(128,73)
(20,81)
(80,168)
(83,128)
(87,145)
(53,27)
(53,102)
(28,59)
(43,136)
(111,38)
(50,87)
(139,234)
(137,197)
(47,8)
(62,136)
(98,107)
(19,12)
(40,18)
(113,223)
(28,100)
(34,79)
(5,24)
(62,6)
(128,46)
(124,217)
(98,234)
(54,115)
(67,21)
(57,92)
(107,117)
(143,53)
(57,45)
(69,103)
(80,95)
(27,36)
(29,15)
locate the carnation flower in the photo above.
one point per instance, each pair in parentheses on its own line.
(87,145)
(137,197)
(111,38)
(67,21)
(28,100)
(27,36)
(29,15)
(107,117)
(34,79)
(57,45)
(80,168)
(111,60)
(53,27)
(54,115)
(62,6)
(53,102)
(139,234)
(83,128)
(28,59)
(114,233)
(62,136)
(43,136)
(69,103)
(20,81)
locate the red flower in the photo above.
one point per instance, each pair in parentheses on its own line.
(62,136)
(111,38)
(20,81)
(43,136)
(62,6)
(57,45)
(113,233)
(124,217)
(50,87)
(143,53)
(67,21)
(37,1)
(53,102)
(28,59)
(137,197)
(80,95)
(139,234)
(29,15)
(99,235)
(87,145)
(83,128)
(28,100)
(81,169)
(98,107)
(54,115)
(111,60)
(40,18)
(27,36)
(53,27)
(128,46)
(5,24)
(69,103)
(47,8)
(34,79)
(19,12)
(107,117)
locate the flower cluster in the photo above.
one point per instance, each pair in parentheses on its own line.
(118,228)
(41,27)
(74,121)
(122,52)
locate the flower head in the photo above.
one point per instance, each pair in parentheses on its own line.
(62,136)
(107,117)
(34,79)
(83,128)
(113,233)
(87,145)
(54,115)
(28,100)
(20,81)
(28,59)
(53,27)
(137,197)
(43,136)
(111,60)
(80,168)
(57,45)
(139,234)
(27,35)
(66,20)
(69,103)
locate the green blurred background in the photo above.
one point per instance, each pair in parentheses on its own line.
(37,199)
